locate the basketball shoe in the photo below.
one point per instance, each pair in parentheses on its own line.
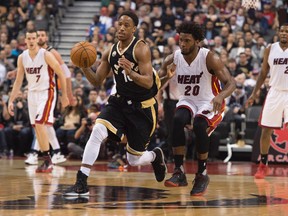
(200,184)
(45,167)
(178,179)
(80,188)
(262,171)
(159,165)
(58,158)
(32,158)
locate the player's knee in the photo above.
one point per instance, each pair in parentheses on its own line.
(133,160)
(99,132)
(200,126)
(179,121)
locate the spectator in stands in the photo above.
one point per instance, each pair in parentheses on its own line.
(240,48)
(233,24)
(30,25)
(10,56)
(258,49)
(218,45)
(81,136)
(40,16)
(71,120)
(168,17)
(243,65)
(4,117)
(105,19)
(12,25)
(232,66)
(24,10)
(212,13)
(80,81)
(210,32)
(229,44)
(3,40)
(156,58)
(92,97)
(19,134)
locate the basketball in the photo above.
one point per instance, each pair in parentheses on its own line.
(83,54)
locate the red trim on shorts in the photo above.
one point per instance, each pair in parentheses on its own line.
(215,85)
(187,107)
(49,101)
(215,121)
(46,123)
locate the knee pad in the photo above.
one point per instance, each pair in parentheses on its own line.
(201,137)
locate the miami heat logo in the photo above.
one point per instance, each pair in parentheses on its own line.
(279,140)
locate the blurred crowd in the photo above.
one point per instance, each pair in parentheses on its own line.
(238,35)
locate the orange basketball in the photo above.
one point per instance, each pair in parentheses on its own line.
(83,54)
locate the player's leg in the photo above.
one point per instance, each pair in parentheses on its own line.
(262,169)
(201,180)
(32,157)
(181,118)
(44,116)
(145,117)
(57,156)
(271,118)
(90,155)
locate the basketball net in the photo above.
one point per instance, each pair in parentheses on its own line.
(250,4)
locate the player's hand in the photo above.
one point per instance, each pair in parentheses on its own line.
(11,74)
(250,100)
(171,70)
(125,64)
(11,108)
(64,101)
(217,103)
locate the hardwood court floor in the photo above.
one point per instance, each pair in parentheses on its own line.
(232,191)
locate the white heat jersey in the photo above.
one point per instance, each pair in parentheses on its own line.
(278,62)
(194,81)
(38,74)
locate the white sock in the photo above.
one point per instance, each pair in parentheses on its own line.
(92,147)
(52,137)
(85,170)
(144,159)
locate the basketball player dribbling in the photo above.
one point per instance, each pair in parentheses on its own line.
(131,111)
(198,73)
(275,63)
(38,65)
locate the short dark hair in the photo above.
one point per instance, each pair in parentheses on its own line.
(195,29)
(31,31)
(132,15)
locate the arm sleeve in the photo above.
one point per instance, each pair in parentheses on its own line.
(66,70)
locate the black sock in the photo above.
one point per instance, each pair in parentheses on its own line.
(56,151)
(46,156)
(178,160)
(202,166)
(264,158)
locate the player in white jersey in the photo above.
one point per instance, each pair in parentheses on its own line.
(198,72)
(275,63)
(38,65)
(57,157)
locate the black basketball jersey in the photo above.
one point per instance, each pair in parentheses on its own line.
(125,86)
